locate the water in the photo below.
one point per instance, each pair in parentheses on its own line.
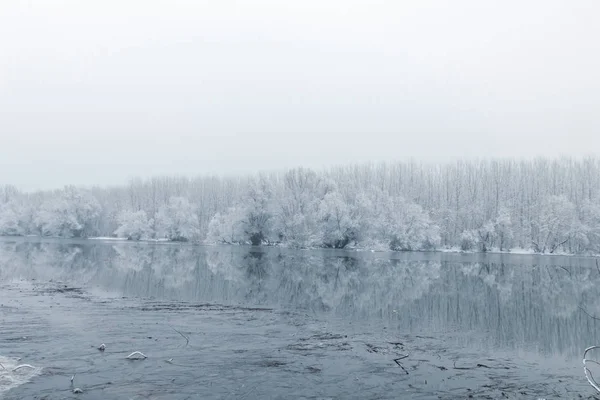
(246,323)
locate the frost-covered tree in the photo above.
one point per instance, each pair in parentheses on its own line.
(300,231)
(134,225)
(487,235)
(177,220)
(296,217)
(591,224)
(338,221)
(71,213)
(403,225)
(554,226)
(227,227)
(257,222)
(469,240)
(250,221)
(503,228)
(12,219)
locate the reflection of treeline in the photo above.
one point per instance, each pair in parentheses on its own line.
(546,205)
(519,304)
(512,302)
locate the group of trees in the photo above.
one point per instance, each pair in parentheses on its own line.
(308,211)
(543,205)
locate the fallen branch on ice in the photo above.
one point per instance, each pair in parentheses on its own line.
(187,339)
(397,361)
(23,366)
(136,355)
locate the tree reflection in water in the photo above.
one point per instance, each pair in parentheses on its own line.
(508,300)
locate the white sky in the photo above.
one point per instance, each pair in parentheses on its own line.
(98,91)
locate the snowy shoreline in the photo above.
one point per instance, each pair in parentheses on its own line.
(449,250)
(474,207)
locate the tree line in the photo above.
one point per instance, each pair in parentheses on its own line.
(545,205)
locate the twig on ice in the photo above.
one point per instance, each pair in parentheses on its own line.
(478,366)
(136,355)
(397,361)
(23,366)
(588,373)
(187,339)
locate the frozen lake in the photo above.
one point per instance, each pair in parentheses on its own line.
(269,323)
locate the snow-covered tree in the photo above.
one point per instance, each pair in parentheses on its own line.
(227,227)
(300,231)
(402,225)
(250,221)
(590,227)
(72,213)
(177,220)
(469,240)
(134,225)
(503,228)
(338,221)
(487,235)
(257,221)
(554,226)
(12,219)
(296,220)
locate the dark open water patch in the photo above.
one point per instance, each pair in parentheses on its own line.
(236,323)
(178,306)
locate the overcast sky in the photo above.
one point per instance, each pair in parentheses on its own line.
(98,91)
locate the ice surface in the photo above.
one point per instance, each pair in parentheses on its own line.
(14,373)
